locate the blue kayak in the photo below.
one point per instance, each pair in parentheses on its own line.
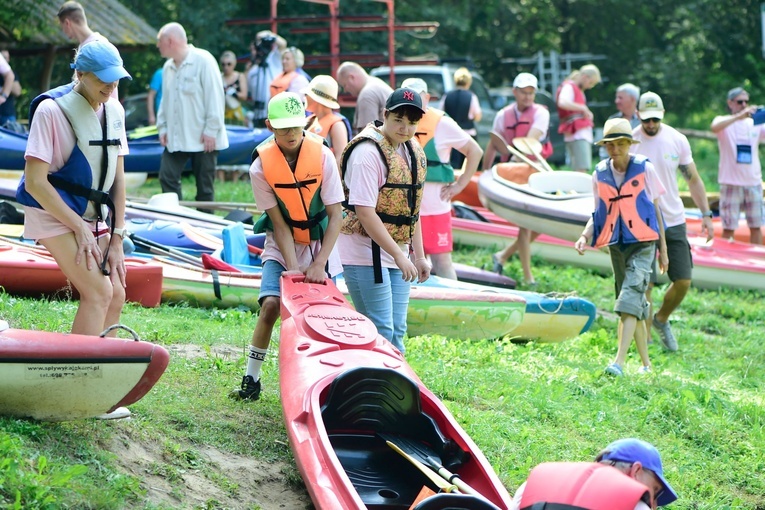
(145,151)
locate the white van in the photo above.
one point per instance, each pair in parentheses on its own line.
(440,80)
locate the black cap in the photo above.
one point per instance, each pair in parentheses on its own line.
(404,97)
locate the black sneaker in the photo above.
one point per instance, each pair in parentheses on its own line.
(250,389)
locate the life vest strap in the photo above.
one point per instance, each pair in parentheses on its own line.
(105,143)
(376,262)
(307,224)
(296,184)
(399,221)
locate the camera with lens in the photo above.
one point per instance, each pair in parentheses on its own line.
(263,48)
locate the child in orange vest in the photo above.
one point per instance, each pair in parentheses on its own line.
(628,220)
(296,182)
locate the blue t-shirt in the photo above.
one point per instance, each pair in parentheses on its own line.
(156,84)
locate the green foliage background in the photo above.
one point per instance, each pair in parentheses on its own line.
(689,51)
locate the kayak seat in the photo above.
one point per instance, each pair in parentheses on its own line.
(235,249)
(382,400)
(449,501)
(363,403)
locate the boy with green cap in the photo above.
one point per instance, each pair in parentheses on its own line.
(296,182)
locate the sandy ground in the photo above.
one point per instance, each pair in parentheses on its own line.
(260,485)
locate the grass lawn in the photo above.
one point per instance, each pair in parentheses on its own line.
(189,446)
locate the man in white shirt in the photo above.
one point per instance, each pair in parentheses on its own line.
(190,119)
(265,65)
(670,152)
(740,172)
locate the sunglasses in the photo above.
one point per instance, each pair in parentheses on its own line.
(651,120)
(742,101)
(286,131)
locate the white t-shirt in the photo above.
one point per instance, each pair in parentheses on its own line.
(667,151)
(265,198)
(448,136)
(365,175)
(567,94)
(741,132)
(4,65)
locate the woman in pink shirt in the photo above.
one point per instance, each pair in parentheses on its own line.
(63,165)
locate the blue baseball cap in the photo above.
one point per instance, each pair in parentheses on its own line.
(635,450)
(101,58)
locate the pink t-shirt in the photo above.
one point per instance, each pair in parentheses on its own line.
(331,193)
(448,135)
(667,151)
(567,94)
(741,132)
(365,175)
(51,139)
(653,186)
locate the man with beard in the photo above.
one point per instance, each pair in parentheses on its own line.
(670,152)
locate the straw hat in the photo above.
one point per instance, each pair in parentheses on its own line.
(616,129)
(323,90)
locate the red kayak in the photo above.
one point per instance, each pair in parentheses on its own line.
(348,394)
(57,376)
(717,264)
(28,270)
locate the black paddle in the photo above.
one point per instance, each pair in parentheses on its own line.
(424,454)
(160,249)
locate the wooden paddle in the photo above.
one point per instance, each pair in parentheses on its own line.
(429,458)
(532,146)
(506,149)
(433,477)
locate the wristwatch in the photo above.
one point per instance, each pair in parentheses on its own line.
(708,214)
(122,232)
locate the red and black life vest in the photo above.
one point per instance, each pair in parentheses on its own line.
(517,127)
(571,121)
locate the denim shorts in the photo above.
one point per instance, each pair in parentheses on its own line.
(270,281)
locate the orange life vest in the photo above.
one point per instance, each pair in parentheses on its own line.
(624,214)
(581,485)
(438,171)
(571,121)
(282,82)
(426,128)
(298,192)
